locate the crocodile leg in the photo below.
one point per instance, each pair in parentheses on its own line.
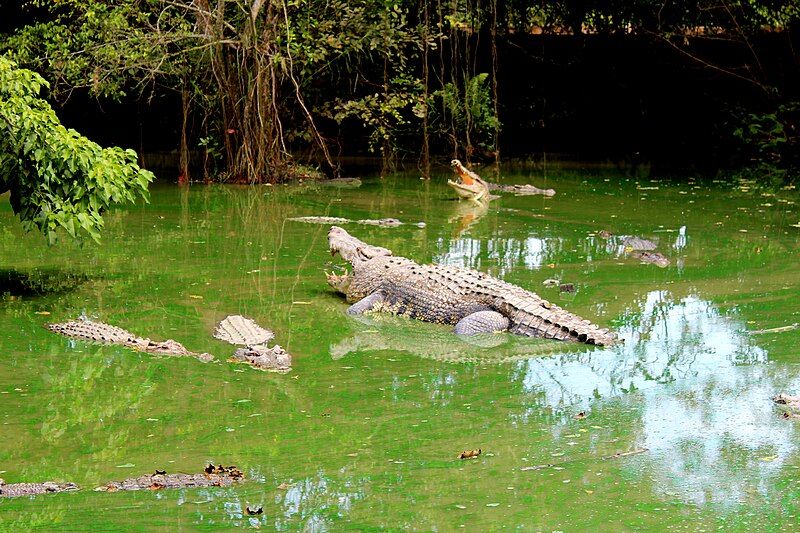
(482,322)
(368,303)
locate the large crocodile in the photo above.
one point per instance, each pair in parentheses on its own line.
(475,302)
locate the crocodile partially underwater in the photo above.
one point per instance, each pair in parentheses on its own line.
(233,329)
(91,330)
(14,490)
(380,222)
(212,476)
(473,301)
(470,186)
(637,248)
(243,331)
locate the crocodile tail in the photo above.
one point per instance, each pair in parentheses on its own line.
(535,317)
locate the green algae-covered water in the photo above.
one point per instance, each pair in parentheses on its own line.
(364,433)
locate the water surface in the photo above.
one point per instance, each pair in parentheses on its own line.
(366,428)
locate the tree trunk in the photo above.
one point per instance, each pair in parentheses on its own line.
(183,177)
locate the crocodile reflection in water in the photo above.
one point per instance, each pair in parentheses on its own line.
(465,214)
(390,333)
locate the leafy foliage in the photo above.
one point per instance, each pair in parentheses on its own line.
(471,110)
(58,179)
(771,140)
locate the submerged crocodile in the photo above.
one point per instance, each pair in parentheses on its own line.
(213,476)
(105,333)
(380,222)
(13,490)
(521,190)
(637,248)
(475,302)
(243,331)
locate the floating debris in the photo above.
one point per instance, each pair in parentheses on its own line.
(567,287)
(780,329)
(551,282)
(254,511)
(470,454)
(536,467)
(581,415)
(626,454)
(792,402)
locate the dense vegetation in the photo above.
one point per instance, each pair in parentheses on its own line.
(262,83)
(59,180)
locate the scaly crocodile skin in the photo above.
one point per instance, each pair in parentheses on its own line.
(446,294)
(31,489)
(100,332)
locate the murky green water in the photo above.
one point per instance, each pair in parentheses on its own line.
(367,426)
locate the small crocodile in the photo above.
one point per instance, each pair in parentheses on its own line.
(475,302)
(105,333)
(637,248)
(521,190)
(214,476)
(13,490)
(239,330)
(380,222)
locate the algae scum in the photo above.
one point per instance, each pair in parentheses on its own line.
(366,430)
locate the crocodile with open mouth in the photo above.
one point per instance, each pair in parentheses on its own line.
(470,186)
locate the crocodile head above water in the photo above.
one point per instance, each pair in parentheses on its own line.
(352,250)
(469,185)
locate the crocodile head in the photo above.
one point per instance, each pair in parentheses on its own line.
(353,251)
(469,185)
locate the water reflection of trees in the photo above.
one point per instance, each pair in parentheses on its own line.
(704,391)
(499,255)
(665,340)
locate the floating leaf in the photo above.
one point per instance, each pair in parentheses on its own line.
(469,454)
